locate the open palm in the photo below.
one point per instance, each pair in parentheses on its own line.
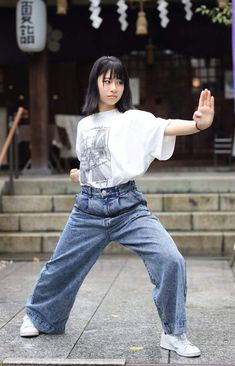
(205,112)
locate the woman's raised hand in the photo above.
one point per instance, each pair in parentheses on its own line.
(204,114)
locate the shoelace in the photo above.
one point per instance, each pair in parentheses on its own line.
(184,339)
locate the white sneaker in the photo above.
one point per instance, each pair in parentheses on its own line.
(27,328)
(179,344)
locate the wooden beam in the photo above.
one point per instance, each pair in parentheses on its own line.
(38,110)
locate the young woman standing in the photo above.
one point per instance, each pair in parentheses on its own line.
(115,144)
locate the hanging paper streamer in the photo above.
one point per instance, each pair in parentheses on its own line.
(122,8)
(162,8)
(188,9)
(95,10)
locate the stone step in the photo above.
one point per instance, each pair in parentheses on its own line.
(181,202)
(37,203)
(189,243)
(207,182)
(180,221)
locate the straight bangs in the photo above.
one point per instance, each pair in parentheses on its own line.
(102,66)
(116,71)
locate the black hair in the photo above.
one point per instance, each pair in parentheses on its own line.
(118,70)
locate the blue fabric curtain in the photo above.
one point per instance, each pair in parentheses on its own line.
(233,47)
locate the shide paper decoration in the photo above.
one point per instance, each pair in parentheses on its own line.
(163,11)
(95,10)
(188,9)
(122,8)
(31,19)
(162,8)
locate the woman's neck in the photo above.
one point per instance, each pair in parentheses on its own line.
(105,107)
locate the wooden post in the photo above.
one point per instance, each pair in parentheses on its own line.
(38,109)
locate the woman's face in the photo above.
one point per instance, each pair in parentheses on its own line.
(110,91)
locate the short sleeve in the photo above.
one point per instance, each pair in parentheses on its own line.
(150,130)
(77,143)
(78,140)
(161,147)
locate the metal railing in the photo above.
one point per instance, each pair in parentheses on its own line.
(11,144)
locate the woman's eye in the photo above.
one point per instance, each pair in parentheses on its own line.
(106,81)
(120,82)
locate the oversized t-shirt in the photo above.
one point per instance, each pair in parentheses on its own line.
(115,147)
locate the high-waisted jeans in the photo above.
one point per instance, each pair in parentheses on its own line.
(99,216)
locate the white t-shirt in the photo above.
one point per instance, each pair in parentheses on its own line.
(115,147)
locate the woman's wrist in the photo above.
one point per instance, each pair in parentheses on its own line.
(196,125)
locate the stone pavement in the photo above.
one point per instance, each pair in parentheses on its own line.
(114,317)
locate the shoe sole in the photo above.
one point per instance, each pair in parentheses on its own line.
(28,335)
(196,354)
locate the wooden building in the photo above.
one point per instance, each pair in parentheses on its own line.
(169,65)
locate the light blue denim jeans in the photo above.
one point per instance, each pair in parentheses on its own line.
(98,217)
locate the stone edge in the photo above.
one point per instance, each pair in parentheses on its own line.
(61,362)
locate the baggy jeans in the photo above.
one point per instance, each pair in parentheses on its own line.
(99,216)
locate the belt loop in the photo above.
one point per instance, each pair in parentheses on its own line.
(91,192)
(117,191)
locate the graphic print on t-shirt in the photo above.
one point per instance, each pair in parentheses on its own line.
(95,163)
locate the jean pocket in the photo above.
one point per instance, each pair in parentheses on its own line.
(139,197)
(130,200)
(81,202)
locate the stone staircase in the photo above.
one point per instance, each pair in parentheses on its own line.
(197,210)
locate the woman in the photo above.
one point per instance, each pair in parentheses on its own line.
(115,144)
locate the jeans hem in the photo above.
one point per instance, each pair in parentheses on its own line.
(174,329)
(42,325)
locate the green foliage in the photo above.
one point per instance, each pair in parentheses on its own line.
(217,15)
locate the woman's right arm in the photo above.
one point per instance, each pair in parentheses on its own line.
(202,118)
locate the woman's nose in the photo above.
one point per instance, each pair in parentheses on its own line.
(113,86)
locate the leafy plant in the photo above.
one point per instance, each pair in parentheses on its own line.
(217,14)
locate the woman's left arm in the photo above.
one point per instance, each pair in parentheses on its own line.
(74,175)
(202,118)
